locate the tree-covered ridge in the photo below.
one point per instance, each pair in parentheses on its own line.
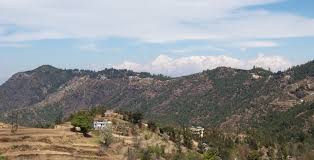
(300,72)
(223,97)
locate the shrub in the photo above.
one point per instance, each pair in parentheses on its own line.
(186,156)
(106,137)
(2,157)
(211,155)
(254,155)
(136,117)
(153,152)
(152,126)
(193,156)
(187,139)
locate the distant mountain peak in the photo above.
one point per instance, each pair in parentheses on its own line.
(46,68)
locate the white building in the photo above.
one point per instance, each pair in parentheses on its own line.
(100,125)
(255,76)
(198,131)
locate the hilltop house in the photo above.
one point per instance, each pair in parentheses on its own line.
(102,124)
(256,76)
(197,131)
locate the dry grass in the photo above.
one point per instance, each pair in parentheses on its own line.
(61,143)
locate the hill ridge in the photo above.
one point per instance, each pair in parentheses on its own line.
(222,97)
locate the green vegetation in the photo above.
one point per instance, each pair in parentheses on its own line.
(302,71)
(152,152)
(220,144)
(152,126)
(136,118)
(187,138)
(180,136)
(83,120)
(158,152)
(208,99)
(106,137)
(186,156)
(244,116)
(2,157)
(254,155)
(290,131)
(133,117)
(211,155)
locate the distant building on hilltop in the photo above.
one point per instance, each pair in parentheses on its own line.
(111,114)
(256,76)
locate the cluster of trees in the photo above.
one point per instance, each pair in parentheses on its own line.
(217,143)
(180,136)
(279,135)
(290,132)
(302,71)
(253,146)
(112,73)
(133,117)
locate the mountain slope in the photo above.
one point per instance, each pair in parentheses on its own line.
(223,97)
(27,88)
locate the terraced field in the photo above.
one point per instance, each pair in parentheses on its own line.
(61,143)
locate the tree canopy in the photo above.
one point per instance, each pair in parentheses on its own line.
(83,120)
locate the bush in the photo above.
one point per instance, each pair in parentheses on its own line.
(186,156)
(2,158)
(106,137)
(211,155)
(193,156)
(153,152)
(187,139)
(254,155)
(146,155)
(152,126)
(136,117)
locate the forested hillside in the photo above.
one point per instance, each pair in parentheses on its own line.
(226,98)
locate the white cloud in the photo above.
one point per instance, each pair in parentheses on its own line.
(130,66)
(275,63)
(149,20)
(193,64)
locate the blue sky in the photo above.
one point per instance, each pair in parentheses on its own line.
(173,37)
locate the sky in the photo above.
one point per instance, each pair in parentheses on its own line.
(171,37)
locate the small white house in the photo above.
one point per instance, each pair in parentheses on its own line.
(198,131)
(100,125)
(255,76)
